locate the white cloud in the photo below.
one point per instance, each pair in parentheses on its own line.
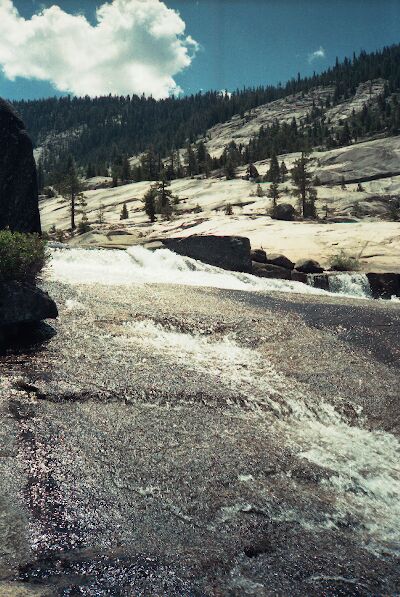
(318,54)
(136,46)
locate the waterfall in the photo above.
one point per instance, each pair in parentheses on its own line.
(138,265)
(350,284)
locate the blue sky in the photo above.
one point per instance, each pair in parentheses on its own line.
(243,42)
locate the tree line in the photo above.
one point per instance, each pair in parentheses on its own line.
(100,129)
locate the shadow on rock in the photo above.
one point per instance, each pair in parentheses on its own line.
(25,337)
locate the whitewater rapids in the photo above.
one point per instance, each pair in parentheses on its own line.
(138,265)
(191,431)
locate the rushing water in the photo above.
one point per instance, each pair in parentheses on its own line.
(137,265)
(118,335)
(350,284)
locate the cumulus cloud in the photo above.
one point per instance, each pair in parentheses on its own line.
(318,54)
(135,46)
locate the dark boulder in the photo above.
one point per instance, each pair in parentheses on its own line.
(284,211)
(18,182)
(299,276)
(308,266)
(281,260)
(318,281)
(24,303)
(266,270)
(384,285)
(228,252)
(258,255)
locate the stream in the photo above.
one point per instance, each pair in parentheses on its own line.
(193,431)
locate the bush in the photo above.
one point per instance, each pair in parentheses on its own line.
(343,262)
(22,256)
(83,225)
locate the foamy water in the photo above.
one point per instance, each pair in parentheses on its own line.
(350,284)
(364,475)
(138,265)
(363,467)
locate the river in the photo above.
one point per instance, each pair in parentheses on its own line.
(191,431)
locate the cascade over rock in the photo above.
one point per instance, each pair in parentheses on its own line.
(18,180)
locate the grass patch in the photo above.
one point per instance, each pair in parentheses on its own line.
(22,256)
(343,262)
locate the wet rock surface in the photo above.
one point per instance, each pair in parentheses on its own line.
(193,441)
(18,183)
(384,285)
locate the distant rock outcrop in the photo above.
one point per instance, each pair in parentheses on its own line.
(228,252)
(18,182)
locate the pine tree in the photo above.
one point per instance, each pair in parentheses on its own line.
(100,213)
(283,171)
(149,165)
(252,172)
(124,213)
(125,170)
(228,209)
(137,173)
(150,204)
(303,188)
(191,161)
(229,170)
(163,196)
(203,159)
(90,171)
(345,134)
(259,191)
(274,193)
(69,185)
(115,173)
(273,174)
(83,225)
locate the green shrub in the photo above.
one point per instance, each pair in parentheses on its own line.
(343,262)
(22,256)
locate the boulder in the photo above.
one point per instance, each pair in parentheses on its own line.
(24,303)
(258,255)
(228,252)
(299,276)
(284,211)
(318,281)
(308,266)
(384,285)
(18,182)
(266,270)
(281,260)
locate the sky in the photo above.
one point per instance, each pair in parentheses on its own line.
(96,47)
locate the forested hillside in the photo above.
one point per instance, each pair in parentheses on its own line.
(100,131)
